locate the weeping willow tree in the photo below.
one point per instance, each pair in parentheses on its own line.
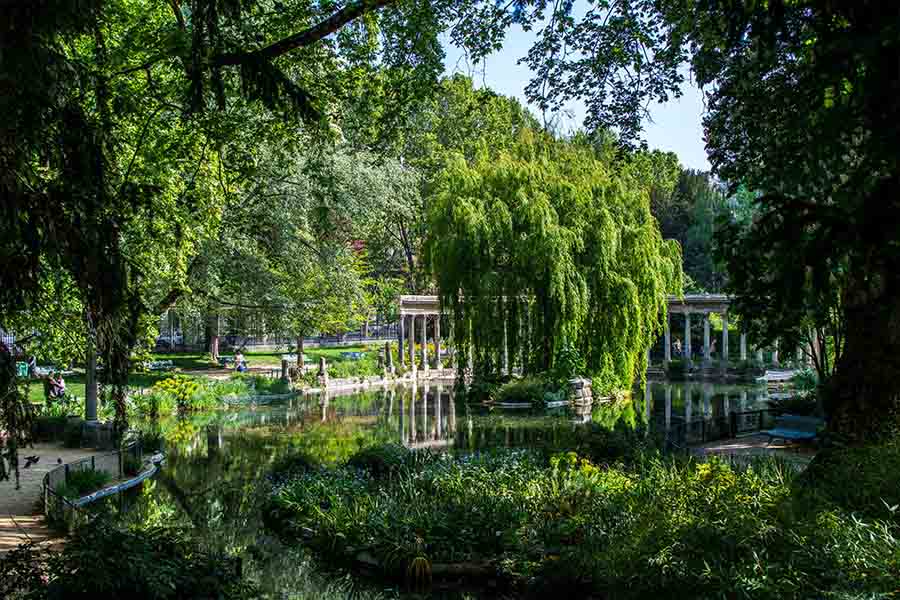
(546,258)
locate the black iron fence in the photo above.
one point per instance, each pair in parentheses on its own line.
(59,503)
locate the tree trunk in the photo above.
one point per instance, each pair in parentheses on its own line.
(862,399)
(300,353)
(90,378)
(212,333)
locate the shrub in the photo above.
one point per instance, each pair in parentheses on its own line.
(365,367)
(82,482)
(875,475)
(49,428)
(381,460)
(798,404)
(290,466)
(650,527)
(806,381)
(100,561)
(131,465)
(73,433)
(528,389)
(567,364)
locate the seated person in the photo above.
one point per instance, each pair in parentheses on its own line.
(240,364)
(57,386)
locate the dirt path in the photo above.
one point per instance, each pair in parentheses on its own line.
(20,511)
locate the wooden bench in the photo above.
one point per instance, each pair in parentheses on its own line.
(794,428)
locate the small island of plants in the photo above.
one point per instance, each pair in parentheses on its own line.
(632,525)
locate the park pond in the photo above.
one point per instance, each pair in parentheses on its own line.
(214,478)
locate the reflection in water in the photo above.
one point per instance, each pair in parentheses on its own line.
(691,412)
(215,462)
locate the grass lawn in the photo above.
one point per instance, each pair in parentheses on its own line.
(197,362)
(75,384)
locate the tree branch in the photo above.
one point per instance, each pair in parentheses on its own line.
(176,8)
(306,37)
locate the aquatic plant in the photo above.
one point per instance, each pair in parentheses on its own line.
(653,526)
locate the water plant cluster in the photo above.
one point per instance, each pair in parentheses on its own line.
(634,527)
(182,394)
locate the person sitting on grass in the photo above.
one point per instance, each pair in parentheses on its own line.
(240,364)
(57,386)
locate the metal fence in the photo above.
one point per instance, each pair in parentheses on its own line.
(231,342)
(60,508)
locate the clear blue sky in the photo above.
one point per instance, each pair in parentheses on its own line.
(676,126)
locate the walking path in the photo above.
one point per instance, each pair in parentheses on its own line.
(21,517)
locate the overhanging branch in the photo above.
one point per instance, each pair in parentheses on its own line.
(303,38)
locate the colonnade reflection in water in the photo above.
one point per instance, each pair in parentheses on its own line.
(428,416)
(691,411)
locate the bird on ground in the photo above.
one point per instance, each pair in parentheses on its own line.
(31,460)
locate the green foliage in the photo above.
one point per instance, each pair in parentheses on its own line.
(795,404)
(73,433)
(182,394)
(571,248)
(81,482)
(364,367)
(100,561)
(531,389)
(873,471)
(381,460)
(131,465)
(569,363)
(574,524)
(677,369)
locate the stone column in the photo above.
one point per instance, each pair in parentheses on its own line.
(437,411)
(667,340)
(425,409)
(411,341)
(451,413)
(425,342)
(743,346)
(402,424)
(412,416)
(388,360)
(668,407)
(284,371)
(706,348)
(648,400)
(401,347)
(505,350)
(725,339)
(688,403)
(688,355)
(322,375)
(437,342)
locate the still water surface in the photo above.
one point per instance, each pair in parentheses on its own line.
(215,462)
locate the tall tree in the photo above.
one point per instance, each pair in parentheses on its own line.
(543,247)
(802,106)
